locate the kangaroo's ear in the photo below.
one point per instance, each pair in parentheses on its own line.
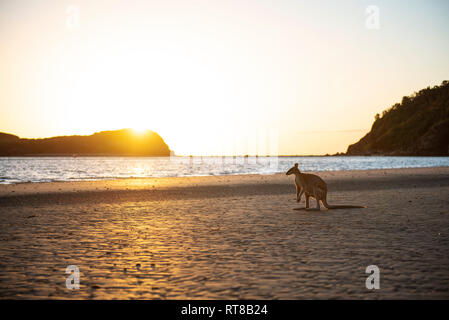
(296,165)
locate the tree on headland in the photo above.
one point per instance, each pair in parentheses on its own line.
(419,125)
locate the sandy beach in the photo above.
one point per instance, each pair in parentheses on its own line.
(227,237)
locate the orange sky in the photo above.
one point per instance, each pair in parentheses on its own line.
(215,77)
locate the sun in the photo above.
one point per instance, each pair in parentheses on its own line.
(139,129)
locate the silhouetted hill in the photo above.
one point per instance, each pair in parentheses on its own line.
(419,125)
(123,142)
(6,138)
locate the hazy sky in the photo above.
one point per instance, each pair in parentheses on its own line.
(216,76)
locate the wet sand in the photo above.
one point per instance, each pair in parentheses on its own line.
(227,237)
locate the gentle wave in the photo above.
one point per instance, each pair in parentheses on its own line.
(47,169)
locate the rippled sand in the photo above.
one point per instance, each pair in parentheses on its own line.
(227,237)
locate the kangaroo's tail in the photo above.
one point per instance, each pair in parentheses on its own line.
(343,206)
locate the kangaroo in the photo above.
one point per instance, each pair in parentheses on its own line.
(313,186)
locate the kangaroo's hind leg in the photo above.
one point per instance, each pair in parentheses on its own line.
(317,197)
(318,204)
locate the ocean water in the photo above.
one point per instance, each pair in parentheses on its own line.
(46,169)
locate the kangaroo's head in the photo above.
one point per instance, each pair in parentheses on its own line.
(293,170)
